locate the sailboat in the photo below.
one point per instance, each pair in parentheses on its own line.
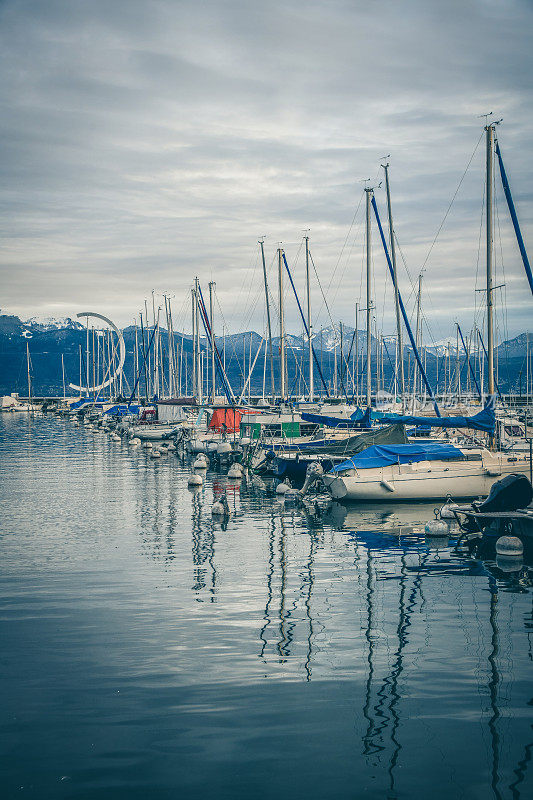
(434,470)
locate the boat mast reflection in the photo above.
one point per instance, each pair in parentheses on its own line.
(494,681)
(203,550)
(386,709)
(270,576)
(287,612)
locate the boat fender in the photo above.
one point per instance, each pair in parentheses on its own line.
(291,496)
(436,527)
(388,486)
(447,511)
(220,507)
(509,546)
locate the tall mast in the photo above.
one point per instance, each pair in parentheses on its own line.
(309,327)
(135,361)
(357,353)
(170,353)
(94,365)
(341,336)
(170,348)
(335,386)
(199,371)
(527,368)
(250,368)
(212,285)
(193,328)
(369,194)
(396,290)
(87,355)
(458,366)
(490,178)
(29,376)
(267,301)
(417,339)
(63,374)
(155,381)
(281,326)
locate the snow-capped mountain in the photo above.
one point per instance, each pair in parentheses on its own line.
(53,323)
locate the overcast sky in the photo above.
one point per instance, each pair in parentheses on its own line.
(148,141)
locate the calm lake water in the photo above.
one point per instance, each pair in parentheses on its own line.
(147,652)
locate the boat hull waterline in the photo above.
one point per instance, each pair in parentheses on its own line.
(424,480)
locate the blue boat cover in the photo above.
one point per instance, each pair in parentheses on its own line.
(484,421)
(385,455)
(80,404)
(359,419)
(122,409)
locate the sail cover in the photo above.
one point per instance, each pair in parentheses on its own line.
(359,419)
(386,455)
(348,446)
(484,421)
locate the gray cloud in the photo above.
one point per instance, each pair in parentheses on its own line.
(146,142)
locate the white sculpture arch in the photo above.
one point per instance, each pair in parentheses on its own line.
(122,356)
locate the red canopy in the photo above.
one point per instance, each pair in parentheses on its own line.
(228,417)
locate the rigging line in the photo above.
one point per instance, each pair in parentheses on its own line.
(340,283)
(231,338)
(504,309)
(453,199)
(479,248)
(413,283)
(414,289)
(251,272)
(342,251)
(325,302)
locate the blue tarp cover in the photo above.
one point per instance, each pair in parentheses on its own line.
(122,409)
(484,421)
(385,455)
(359,419)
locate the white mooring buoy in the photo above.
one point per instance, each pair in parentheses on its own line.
(510,547)
(235,471)
(282,487)
(435,527)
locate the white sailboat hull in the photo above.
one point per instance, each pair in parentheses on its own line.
(153,434)
(426,480)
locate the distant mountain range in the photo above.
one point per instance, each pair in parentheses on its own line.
(49,339)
